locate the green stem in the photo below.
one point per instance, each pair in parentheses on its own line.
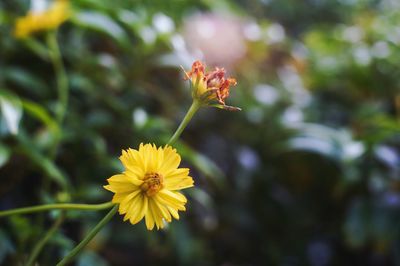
(39,246)
(88,237)
(190,113)
(60,206)
(55,57)
(61,75)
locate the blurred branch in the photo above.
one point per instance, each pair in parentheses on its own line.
(62,80)
(397,106)
(39,246)
(190,113)
(58,206)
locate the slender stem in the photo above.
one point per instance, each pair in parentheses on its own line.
(62,87)
(89,237)
(190,113)
(60,206)
(54,56)
(39,246)
(62,80)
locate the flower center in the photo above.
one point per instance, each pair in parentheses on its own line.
(152,183)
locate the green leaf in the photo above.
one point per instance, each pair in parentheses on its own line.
(11,110)
(26,80)
(100,22)
(330,142)
(357,223)
(6,246)
(4,155)
(90,258)
(47,165)
(203,164)
(38,112)
(37,47)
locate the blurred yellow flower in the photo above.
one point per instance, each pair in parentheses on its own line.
(48,19)
(149,185)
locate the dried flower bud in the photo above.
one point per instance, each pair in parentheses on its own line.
(211,86)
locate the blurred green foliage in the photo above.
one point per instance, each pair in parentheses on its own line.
(307,174)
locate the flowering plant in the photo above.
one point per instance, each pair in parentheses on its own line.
(149,187)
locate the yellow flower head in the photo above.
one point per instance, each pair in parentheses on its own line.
(48,19)
(210,86)
(149,186)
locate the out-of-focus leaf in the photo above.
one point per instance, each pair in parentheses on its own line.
(38,112)
(47,165)
(37,47)
(378,127)
(203,164)
(89,258)
(202,197)
(95,5)
(388,156)
(313,145)
(335,144)
(133,20)
(11,110)
(100,22)
(4,155)
(6,246)
(64,242)
(25,79)
(187,246)
(22,225)
(356,227)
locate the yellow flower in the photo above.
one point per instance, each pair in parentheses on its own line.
(149,186)
(48,19)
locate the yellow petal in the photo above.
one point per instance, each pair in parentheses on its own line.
(152,155)
(133,178)
(157,216)
(133,161)
(138,214)
(127,177)
(120,187)
(126,202)
(178,179)
(146,152)
(179,197)
(180,172)
(149,220)
(133,207)
(171,161)
(135,172)
(118,197)
(169,199)
(181,184)
(173,212)
(159,158)
(163,210)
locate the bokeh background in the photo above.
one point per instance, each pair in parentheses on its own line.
(307,174)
